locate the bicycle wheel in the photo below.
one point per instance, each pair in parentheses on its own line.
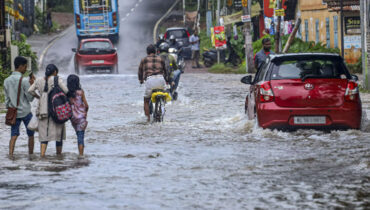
(161,109)
(156,113)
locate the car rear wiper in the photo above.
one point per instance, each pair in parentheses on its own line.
(306,76)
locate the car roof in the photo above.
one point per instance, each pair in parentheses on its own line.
(176,28)
(95,40)
(302,56)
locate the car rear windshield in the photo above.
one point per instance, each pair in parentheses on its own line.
(313,68)
(178,33)
(96,45)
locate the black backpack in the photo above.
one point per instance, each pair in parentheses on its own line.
(58,105)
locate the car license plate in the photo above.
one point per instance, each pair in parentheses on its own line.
(96,17)
(98,61)
(309,120)
(102,71)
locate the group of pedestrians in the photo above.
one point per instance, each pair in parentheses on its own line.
(21,91)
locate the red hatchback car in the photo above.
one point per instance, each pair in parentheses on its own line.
(96,55)
(304,90)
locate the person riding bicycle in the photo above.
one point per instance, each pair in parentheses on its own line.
(172,69)
(152,70)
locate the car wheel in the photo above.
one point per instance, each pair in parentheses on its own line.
(365,124)
(236,61)
(77,69)
(207,64)
(115,38)
(246,105)
(256,123)
(115,69)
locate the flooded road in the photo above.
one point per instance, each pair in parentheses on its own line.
(206,155)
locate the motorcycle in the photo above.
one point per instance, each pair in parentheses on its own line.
(210,57)
(180,61)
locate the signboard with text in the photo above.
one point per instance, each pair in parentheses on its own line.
(352,25)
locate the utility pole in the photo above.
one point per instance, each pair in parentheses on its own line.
(277,34)
(183,10)
(218,24)
(364,31)
(3,33)
(248,39)
(341,28)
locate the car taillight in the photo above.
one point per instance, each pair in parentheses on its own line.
(78,21)
(352,91)
(114,19)
(266,94)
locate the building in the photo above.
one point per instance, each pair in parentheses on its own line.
(321,22)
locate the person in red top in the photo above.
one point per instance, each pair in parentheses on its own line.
(263,54)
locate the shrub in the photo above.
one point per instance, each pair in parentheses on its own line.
(222,69)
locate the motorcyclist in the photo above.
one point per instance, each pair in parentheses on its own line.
(173,71)
(160,40)
(174,44)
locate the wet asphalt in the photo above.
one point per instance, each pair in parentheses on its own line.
(205,155)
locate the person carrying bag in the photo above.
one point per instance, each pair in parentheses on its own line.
(11,114)
(17,101)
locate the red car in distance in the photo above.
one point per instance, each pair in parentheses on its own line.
(304,90)
(96,55)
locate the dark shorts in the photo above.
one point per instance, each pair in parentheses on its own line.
(26,120)
(195,54)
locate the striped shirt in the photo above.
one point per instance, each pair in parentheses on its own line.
(151,65)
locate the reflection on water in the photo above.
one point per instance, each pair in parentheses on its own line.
(205,155)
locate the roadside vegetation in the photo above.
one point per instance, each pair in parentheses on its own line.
(61,6)
(24,50)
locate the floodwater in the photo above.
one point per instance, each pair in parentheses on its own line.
(205,155)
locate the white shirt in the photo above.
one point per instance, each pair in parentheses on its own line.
(195,46)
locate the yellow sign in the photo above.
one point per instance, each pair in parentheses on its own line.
(233,18)
(229,3)
(245,3)
(279,12)
(14,13)
(273,4)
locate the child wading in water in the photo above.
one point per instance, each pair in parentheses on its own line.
(79,107)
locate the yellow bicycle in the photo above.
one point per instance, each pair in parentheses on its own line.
(159,99)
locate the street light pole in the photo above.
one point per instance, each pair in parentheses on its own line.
(248,39)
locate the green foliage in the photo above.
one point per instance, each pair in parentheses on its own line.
(297,46)
(222,69)
(62,6)
(238,44)
(40,20)
(355,68)
(205,41)
(25,50)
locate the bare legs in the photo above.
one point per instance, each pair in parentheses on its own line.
(31,142)
(146,108)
